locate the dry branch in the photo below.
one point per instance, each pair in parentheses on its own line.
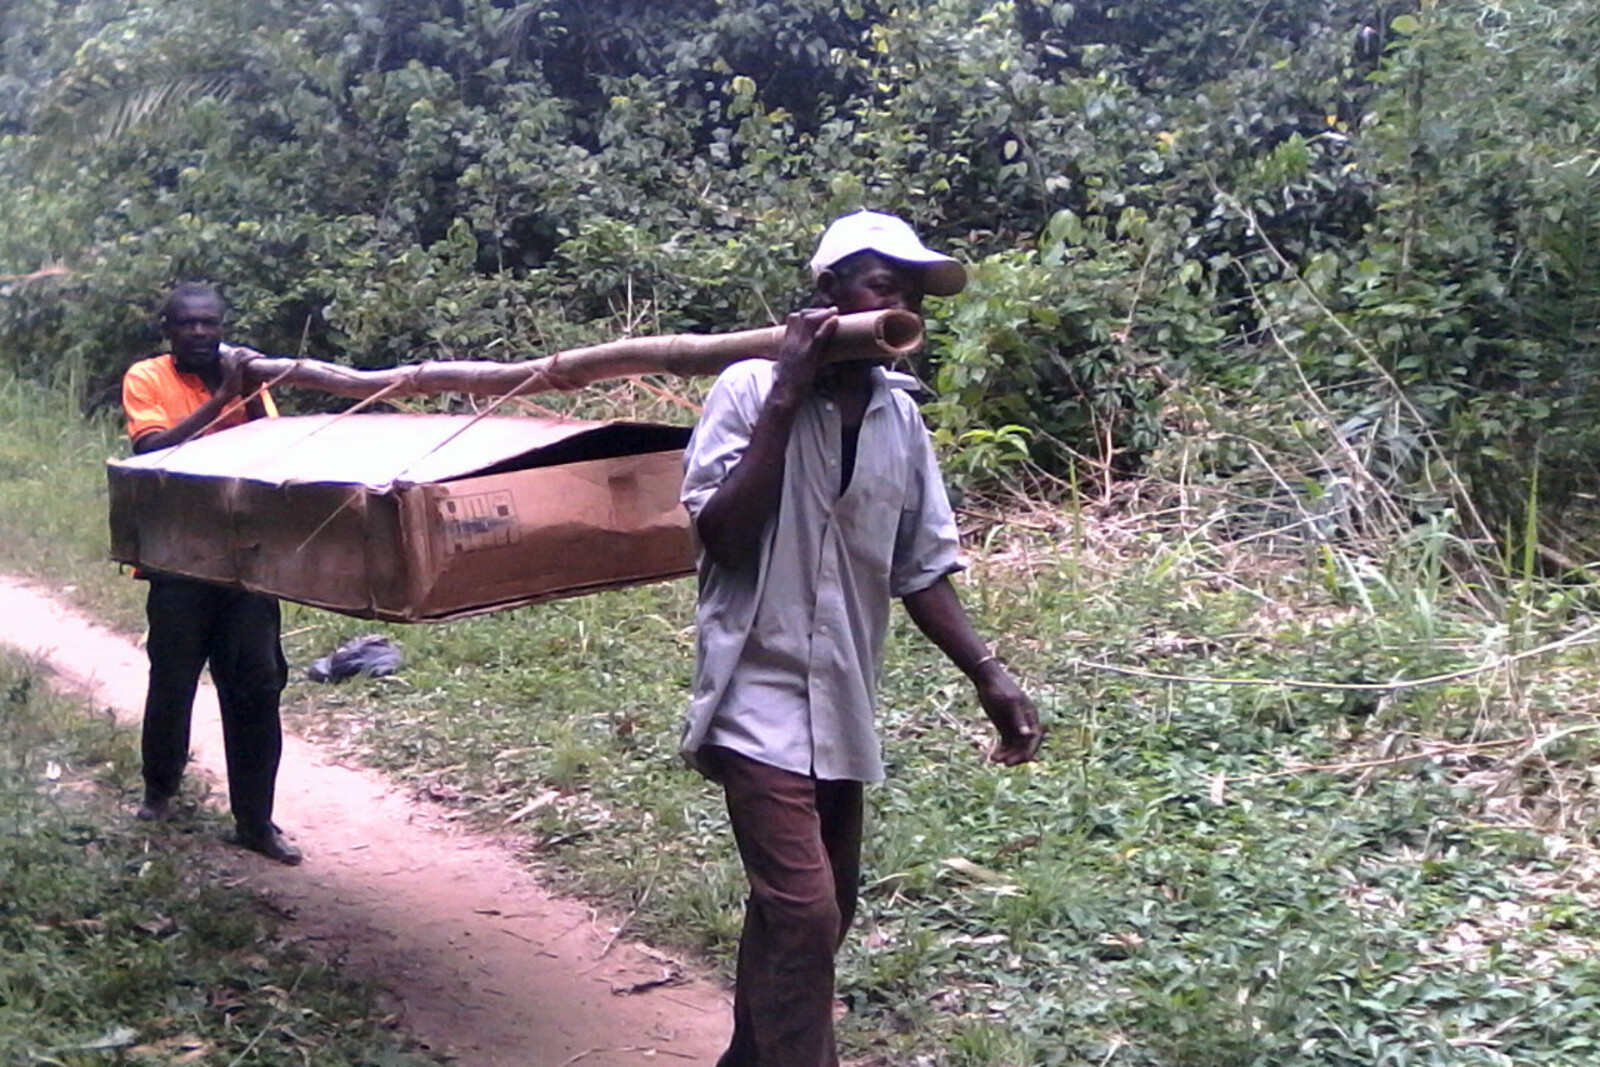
(51,271)
(864,335)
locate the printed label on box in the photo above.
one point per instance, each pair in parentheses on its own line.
(483,520)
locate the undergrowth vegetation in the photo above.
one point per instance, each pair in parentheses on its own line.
(121,943)
(1305,800)
(53,498)
(1252,839)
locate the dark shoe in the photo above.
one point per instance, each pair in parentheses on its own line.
(154,809)
(268,843)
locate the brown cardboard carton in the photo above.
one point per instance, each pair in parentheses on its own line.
(410,518)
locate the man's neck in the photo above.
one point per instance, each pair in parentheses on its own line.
(842,380)
(207,369)
(850,386)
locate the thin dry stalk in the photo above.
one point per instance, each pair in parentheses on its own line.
(1584,636)
(1459,491)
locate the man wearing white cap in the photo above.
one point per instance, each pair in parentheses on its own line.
(816,500)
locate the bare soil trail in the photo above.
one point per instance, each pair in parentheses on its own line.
(484,965)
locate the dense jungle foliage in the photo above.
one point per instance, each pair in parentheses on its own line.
(1322,274)
(1341,248)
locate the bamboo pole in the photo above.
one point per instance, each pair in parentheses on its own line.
(874,335)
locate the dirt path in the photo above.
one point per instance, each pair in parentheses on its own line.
(485,966)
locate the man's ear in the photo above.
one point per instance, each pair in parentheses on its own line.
(827,283)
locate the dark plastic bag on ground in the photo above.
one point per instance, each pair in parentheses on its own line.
(373,655)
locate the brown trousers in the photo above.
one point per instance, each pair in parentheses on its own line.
(800,840)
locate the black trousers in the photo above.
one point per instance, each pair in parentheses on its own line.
(192,625)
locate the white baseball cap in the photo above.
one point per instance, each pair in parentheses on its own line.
(892,238)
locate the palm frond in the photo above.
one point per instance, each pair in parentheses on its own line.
(112,114)
(161,104)
(519,24)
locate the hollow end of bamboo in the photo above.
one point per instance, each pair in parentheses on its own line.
(899,333)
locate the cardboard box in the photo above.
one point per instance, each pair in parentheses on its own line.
(410,518)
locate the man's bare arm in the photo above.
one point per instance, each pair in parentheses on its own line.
(939,614)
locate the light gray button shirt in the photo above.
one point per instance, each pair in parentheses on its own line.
(788,652)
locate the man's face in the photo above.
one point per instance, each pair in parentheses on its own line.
(194,329)
(876,284)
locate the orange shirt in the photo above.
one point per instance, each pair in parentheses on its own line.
(158,396)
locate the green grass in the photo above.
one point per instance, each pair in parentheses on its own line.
(122,943)
(53,518)
(1198,873)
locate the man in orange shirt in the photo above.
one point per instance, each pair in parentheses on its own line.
(199,388)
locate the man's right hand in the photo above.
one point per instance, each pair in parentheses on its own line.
(234,376)
(805,339)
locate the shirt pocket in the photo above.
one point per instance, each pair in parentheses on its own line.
(870,509)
